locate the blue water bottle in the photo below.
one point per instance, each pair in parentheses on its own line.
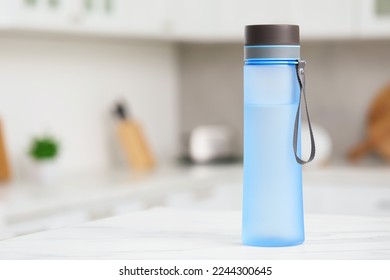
(273,85)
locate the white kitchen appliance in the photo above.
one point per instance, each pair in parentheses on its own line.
(211,143)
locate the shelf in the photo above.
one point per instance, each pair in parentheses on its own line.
(194,21)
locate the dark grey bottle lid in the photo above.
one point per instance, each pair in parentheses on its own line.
(271,34)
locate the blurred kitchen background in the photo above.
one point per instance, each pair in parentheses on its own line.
(113,106)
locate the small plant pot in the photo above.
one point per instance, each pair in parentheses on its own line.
(43,151)
(45,172)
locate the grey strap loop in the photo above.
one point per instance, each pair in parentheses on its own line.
(300,68)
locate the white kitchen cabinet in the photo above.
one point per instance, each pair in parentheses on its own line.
(326,19)
(224,20)
(43,15)
(144,18)
(95,16)
(235,14)
(36,14)
(198,20)
(374,18)
(193,20)
(126,18)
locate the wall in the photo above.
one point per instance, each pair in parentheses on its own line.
(65,87)
(342,79)
(211,87)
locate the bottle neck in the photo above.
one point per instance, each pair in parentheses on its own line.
(272,53)
(257,61)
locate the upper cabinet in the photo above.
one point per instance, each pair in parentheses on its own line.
(331,19)
(233,15)
(193,20)
(198,20)
(34,14)
(224,20)
(145,18)
(375,18)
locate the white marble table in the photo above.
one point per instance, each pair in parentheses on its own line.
(186,234)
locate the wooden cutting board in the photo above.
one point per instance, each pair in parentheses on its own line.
(377,130)
(135,146)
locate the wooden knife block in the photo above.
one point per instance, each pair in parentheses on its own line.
(134,145)
(5,173)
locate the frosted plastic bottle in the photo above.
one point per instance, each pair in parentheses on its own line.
(272,198)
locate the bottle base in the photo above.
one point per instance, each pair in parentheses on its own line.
(272,243)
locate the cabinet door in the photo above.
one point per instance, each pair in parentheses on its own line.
(326,19)
(193,20)
(54,15)
(36,14)
(235,14)
(375,18)
(141,17)
(317,18)
(7,11)
(101,17)
(220,20)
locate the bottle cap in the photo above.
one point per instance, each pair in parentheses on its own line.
(272,42)
(271,34)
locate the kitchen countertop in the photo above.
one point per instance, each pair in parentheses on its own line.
(26,199)
(26,207)
(189,234)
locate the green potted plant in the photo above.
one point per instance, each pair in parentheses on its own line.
(44,151)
